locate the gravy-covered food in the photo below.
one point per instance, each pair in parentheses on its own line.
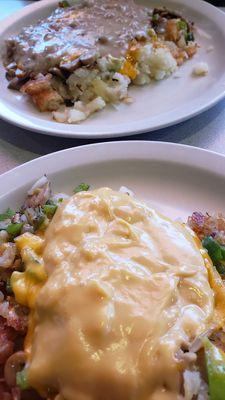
(86,55)
(116,300)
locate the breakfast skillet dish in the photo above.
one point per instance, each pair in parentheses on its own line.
(104,298)
(86,55)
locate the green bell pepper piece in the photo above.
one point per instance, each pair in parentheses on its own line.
(83,187)
(216,252)
(14,229)
(21,380)
(182,25)
(64,4)
(215,364)
(50,209)
(7,215)
(214,249)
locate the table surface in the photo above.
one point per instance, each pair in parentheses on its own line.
(18,145)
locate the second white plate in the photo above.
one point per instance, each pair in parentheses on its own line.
(174,179)
(156,106)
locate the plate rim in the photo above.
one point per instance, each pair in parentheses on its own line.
(189,156)
(120,130)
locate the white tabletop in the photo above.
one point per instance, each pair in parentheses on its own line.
(18,146)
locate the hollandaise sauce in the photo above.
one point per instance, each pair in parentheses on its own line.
(126,291)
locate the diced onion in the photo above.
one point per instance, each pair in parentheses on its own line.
(40,183)
(192,384)
(124,189)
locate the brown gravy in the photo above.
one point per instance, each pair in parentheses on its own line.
(105,27)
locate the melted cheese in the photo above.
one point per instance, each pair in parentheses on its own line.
(127,288)
(26,285)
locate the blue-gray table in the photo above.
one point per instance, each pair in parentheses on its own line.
(18,146)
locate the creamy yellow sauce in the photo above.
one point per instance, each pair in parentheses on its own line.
(127,289)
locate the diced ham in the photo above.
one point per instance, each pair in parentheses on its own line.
(207,225)
(14,315)
(7,336)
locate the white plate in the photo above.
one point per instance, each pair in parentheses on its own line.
(174,179)
(161,104)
